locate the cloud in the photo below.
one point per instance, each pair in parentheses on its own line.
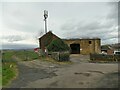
(113,13)
(23,22)
(104,27)
(92,29)
(13,38)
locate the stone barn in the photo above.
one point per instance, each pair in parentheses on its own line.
(78,46)
(46,39)
(84,46)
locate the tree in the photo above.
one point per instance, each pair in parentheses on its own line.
(57,45)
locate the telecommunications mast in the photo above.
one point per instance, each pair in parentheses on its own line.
(45,19)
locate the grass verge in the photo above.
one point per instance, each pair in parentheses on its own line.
(8,68)
(9,72)
(0,76)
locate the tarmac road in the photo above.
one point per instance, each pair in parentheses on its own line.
(81,74)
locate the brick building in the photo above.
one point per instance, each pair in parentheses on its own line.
(106,49)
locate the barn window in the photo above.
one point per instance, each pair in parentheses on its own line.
(90,42)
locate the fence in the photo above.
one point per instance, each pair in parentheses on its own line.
(60,56)
(103,57)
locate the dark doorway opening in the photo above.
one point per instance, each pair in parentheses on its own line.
(75,48)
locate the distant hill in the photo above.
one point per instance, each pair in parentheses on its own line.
(17,46)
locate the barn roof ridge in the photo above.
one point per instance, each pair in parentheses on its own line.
(79,38)
(48,33)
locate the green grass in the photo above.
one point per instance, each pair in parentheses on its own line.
(26,55)
(7,56)
(22,55)
(9,67)
(0,76)
(9,71)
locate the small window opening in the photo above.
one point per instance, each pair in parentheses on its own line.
(90,42)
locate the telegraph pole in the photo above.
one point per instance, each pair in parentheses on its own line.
(45,19)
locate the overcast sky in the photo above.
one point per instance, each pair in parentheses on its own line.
(23,22)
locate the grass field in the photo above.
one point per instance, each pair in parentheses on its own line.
(9,67)
(7,56)
(26,55)
(22,55)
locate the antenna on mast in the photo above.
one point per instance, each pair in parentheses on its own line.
(45,19)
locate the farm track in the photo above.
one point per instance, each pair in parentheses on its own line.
(80,74)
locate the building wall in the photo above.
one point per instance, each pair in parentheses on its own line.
(97,46)
(46,40)
(87,46)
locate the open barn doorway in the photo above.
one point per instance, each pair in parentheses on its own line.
(75,48)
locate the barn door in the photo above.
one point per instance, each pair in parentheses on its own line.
(75,48)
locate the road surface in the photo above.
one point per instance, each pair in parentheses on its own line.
(80,74)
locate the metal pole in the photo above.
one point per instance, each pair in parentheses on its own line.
(45,25)
(45,19)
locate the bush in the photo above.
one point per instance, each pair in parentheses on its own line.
(57,45)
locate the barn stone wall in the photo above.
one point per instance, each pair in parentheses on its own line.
(87,46)
(46,40)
